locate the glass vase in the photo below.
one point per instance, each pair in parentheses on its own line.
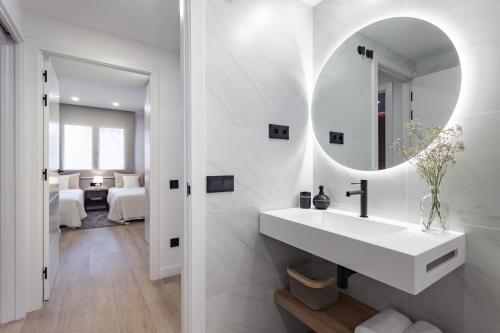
(434,212)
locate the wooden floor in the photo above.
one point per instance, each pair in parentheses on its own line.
(103,286)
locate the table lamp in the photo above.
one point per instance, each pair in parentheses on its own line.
(98,180)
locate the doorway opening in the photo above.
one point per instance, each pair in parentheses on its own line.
(393,108)
(98,202)
(384,98)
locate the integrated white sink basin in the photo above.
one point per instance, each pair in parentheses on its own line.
(341,223)
(394,252)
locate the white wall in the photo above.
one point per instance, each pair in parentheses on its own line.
(437,63)
(258,70)
(434,96)
(468,300)
(65,38)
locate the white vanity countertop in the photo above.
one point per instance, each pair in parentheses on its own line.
(405,237)
(394,252)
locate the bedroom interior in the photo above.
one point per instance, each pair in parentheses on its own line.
(101,145)
(97,150)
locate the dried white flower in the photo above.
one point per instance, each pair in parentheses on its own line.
(432,151)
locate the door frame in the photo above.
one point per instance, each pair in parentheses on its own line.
(396,71)
(34,57)
(12,231)
(193,68)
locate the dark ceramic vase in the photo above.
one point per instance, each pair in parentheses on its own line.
(321,201)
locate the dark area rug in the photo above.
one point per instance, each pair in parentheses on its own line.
(96,219)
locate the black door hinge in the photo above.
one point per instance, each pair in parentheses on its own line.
(44,99)
(188,189)
(45,75)
(411,115)
(411,96)
(44,273)
(44,174)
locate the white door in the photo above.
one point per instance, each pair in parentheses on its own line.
(147,161)
(52,231)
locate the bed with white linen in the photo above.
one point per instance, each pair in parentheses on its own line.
(126,204)
(71,208)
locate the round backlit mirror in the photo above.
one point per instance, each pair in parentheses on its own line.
(380,78)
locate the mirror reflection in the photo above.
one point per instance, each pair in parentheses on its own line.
(380,78)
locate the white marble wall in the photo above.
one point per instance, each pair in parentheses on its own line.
(468,300)
(259,59)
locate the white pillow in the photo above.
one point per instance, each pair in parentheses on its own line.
(64,183)
(119,179)
(130,181)
(74,181)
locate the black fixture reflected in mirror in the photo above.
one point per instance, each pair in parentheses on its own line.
(361,50)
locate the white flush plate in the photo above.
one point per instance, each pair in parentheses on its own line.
(393,252)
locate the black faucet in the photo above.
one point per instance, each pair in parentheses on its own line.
(364,196)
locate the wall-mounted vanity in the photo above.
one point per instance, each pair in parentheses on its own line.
(394,252)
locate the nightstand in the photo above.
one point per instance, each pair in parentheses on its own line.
(96,199)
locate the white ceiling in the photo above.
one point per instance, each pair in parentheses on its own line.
(153,22)
(311,3)
(415,39)
(99,86)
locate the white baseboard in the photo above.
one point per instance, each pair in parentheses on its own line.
(170,271)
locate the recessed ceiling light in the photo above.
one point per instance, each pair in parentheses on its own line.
(116,104)
(75,99)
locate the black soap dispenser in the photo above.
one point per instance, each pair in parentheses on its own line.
(321,201)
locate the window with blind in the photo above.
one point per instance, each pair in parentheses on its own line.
(77,147)
(111,148)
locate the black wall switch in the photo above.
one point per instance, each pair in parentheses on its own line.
(279,132)
(174,184)
(217,184)
(337,138)
(174,242)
